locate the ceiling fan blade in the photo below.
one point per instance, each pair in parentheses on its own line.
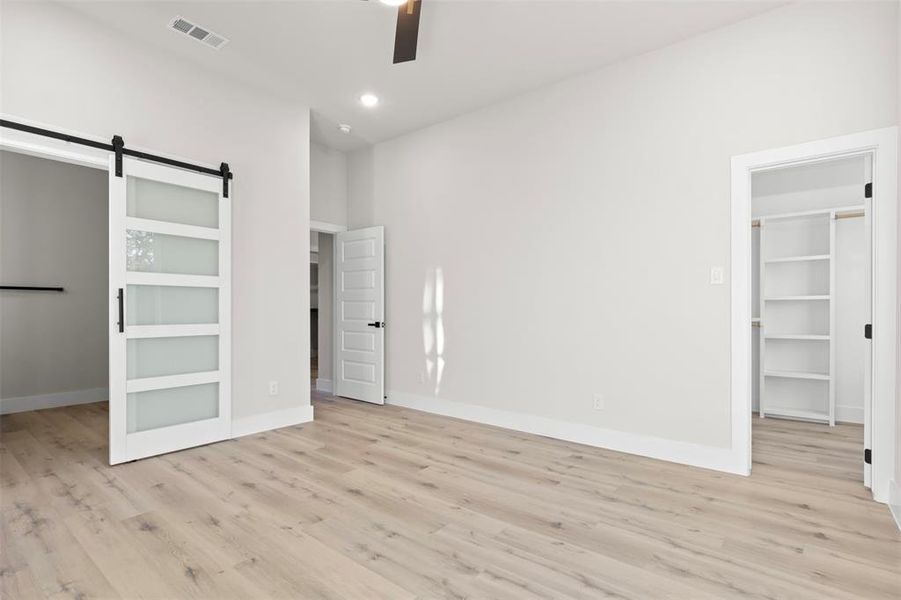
(407,33)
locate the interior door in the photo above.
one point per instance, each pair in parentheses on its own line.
(169,288)
(360,314)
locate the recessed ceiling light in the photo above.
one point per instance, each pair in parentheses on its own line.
(344,128)
(394,2)
(369,100)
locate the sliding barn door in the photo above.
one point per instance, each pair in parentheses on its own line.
(360,314)
(169,336)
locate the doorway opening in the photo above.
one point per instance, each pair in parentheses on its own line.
(53,305)
(811,301)
(321,304)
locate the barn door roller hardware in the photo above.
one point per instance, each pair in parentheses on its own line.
(117,146)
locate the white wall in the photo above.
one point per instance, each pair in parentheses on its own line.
(53,222)
(592,211)
(94,80)
(328,185)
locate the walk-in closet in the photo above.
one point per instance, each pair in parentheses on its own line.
(810,290)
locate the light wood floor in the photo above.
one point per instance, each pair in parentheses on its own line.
(382,502)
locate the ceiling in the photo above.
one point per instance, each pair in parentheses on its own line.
(325,53)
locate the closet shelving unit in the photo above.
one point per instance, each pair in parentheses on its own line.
(797,314)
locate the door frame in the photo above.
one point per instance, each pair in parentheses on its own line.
(883,145)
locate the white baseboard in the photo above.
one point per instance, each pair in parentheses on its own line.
(24,403)
(324,385)
(271,420)
(894,501)
(696,455)
(849,414)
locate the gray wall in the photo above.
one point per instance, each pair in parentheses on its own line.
(53,231)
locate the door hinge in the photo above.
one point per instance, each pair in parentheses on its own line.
(868,331)
(868,190)
(868,456)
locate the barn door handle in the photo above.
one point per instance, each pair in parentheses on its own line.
(121,298)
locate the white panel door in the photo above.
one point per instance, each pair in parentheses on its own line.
(360,314)
(868,345)
(169,288)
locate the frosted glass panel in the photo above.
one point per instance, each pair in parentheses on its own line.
(160,201)
(158,253)
(171,305)
(155,357)
(173,406)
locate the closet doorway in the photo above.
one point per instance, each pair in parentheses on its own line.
(322,299)
(811,265)
(813,330)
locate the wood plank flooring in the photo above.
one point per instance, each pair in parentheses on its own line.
(383,502)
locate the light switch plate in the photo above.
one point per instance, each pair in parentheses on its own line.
(716,276)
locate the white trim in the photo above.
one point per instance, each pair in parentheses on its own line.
(883,145)
(696,455)
(59,155)
(894,501)
(159,331)
(287,417)
(55,400)
(324,227)
(324,385)
(165,227)
(145,384)
(848,414)
(52,149)
(142,278)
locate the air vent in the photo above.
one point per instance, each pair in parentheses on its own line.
(200,34)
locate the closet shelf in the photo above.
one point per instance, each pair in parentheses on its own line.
(796,336)
(787,259)
(810,213)
(798,375)
(792,413)
(787,298)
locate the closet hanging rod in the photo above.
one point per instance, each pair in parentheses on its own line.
(117,145)
(32,288)
(845,215)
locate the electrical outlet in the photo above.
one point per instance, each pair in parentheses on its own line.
(273,388)
(599,401)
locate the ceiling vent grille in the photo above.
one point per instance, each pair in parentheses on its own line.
(200,34)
